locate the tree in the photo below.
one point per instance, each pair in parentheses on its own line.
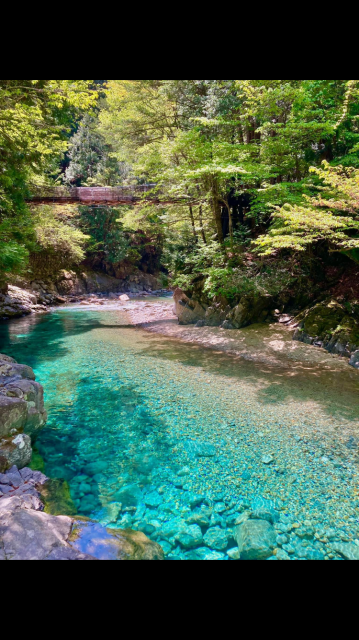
(333,217)
(35,119)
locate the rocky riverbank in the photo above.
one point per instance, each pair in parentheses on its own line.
(27,532)
(38,296)
(330,324)
(22,413)
(272,344)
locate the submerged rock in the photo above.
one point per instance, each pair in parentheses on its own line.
(190,537)
(129,496)
(204,554)
(256,540)
(111,544)
(216,539)
(349,550)
(200,449)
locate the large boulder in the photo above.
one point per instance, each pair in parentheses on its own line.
(329,325)
(188,311)
(30,535)
(27,533)
(15,451)
(354,360)
(251,310)
(13,415)
(256,540)
(22,412)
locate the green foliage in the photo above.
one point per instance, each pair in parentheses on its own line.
(35,120)
(91,161)
(106,234)
(58,243)
(298,227)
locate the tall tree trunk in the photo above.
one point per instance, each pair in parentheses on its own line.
(230,225)
(201,225)
(193,222)
(217,211)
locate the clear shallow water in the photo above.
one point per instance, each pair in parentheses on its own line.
(151,433)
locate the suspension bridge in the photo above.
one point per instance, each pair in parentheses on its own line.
(98,195)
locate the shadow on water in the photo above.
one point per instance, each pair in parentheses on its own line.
(105,420)
(35,339)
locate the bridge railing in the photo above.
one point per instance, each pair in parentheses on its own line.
(88,195)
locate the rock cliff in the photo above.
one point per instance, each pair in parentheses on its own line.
(38,295)
(248,310)
(22,413)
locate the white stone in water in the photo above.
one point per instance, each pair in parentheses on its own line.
(267,459)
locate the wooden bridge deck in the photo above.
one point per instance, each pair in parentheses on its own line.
(94,195)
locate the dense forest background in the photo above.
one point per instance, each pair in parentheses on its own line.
(263,176)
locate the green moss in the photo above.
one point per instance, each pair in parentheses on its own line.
(57,498)
(329,319)
(37,462)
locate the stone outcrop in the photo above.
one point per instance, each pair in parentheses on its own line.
(17,302)
(249,310)
(27,533)
(37,296)
(188,311)
(330,325)
(22,413)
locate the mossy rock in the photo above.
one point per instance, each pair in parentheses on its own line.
(57,498)
(37,462)
(330,319)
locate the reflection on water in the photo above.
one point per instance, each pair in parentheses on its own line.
(171,438)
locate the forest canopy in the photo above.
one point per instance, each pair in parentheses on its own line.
(266,168)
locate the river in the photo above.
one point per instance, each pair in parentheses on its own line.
(150,431)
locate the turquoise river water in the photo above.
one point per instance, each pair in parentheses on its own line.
(178,441)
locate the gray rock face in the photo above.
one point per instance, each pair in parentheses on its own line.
(256,540)
(30,535)
(354,360)
(26,533)
(22,412)
(13,415)
(15,451)
(249,310)
(187,311)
